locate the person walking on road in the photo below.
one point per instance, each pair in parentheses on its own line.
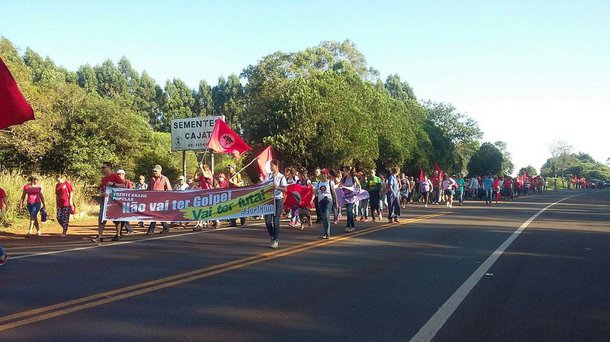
(424,189)
(158,182)
(119,225)
(460,189)
(349,180)
(374,188)
(35,202)
(488,188)
(393,195)
(109,180)
(3,201)
(235,181)
(448,186)
(280,186)
(326,196)
(64,202)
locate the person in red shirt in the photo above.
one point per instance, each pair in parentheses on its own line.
(64,202)
(158,182)
(109,180)
(35,202)
(206,179)
(119,225)
(3,201)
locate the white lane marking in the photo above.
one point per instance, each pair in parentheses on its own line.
(122,243)
(436,322)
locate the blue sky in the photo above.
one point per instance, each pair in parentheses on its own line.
(530,72)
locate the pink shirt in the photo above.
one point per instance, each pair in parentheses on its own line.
(33,193)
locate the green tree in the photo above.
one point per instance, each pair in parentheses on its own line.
(87,79)
(178,103)
(204,103)
(507,164)
(399,90)
(487,160)
(110,81)
(528,170)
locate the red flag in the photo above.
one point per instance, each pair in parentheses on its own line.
(224,140)
(436,168)
(264,161)
(298,195)
(421,175)
(14,109)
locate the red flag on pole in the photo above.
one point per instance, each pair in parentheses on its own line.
(298,195)
(14,109)
(224,140)
(421,175)
(264,161)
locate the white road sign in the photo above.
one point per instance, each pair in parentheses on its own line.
(192,133)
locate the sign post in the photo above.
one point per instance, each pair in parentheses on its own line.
(192,134)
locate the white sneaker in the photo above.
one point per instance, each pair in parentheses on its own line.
(425,206)
(450,205)
(352,229)
(347,230)
(274,244)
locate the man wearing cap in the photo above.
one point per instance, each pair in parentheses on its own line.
(235,182)
(181,185)
(158,182)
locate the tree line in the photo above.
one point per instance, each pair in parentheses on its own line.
(322,106)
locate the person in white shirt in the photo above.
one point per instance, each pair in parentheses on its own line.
(279,186)
(449,186)
(326,196)
(473,186)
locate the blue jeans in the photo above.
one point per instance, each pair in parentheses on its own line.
(273,221)
(393,206)
(364,208)
(488,195)
(33,209)
(325,205)
(460,195)
(350,215)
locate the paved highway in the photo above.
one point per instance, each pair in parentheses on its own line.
(536,269)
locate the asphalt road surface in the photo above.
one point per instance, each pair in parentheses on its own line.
(536,269)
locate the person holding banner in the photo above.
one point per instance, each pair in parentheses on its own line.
(235,181)
(279,186)
(109,179)
(119,225)
(326,198)
(158,182)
